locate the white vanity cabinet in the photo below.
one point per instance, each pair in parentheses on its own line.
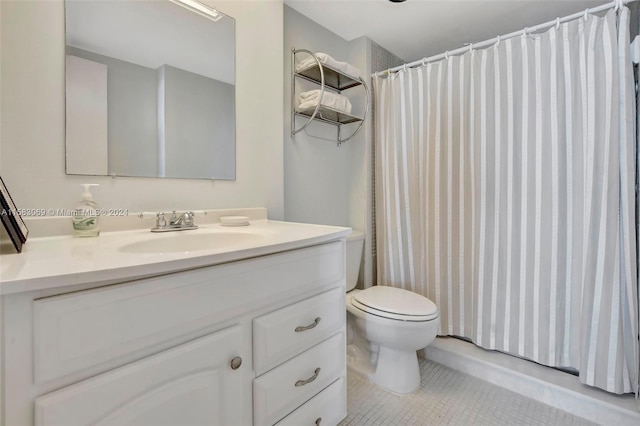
(254,341)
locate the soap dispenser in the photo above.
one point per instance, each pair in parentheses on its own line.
(86,215)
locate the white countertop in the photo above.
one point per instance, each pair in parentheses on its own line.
(51,262)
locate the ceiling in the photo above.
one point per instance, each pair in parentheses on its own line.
(421,28)
(153,33)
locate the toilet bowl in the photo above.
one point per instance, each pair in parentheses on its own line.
(386,326)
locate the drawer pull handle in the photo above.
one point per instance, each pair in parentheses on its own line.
(318,420)
(236,363)
(310,379)
(301,328)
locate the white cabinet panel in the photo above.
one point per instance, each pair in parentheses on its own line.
(192,384)
(281,334)
(327,408)
(286,387)
(80,330)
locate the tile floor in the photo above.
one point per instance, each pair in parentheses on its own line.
(448,397)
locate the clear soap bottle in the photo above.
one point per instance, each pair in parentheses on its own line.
(86,215)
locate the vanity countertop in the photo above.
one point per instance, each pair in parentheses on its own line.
(51,262)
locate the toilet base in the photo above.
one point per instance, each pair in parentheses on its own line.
(396,370)
(393,370)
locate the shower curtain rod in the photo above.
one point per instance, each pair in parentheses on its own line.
(528,30)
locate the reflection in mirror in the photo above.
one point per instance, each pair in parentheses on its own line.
(150,89)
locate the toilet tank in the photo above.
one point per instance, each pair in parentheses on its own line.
(355,244)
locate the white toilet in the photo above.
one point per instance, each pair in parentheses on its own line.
(386,326)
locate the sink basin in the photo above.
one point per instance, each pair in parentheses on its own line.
(184,241)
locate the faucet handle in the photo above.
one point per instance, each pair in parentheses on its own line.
(187,218)
(161,222)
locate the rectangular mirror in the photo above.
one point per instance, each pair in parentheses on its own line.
(150,89)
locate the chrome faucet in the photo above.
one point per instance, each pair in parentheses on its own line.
(182,222)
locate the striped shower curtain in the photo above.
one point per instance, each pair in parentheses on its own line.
(505,188)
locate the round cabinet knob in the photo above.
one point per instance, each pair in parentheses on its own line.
(236,363)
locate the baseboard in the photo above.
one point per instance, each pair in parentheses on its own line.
(547,385)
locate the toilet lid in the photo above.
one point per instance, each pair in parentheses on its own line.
(396,303)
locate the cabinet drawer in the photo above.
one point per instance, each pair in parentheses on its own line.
(80,330)
(327,408)
(285,388)
(281,334)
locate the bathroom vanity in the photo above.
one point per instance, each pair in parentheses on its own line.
(109,330)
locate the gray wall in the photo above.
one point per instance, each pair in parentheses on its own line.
(199,112)
(323,183)
(134,128)
(132,115)
(316,184)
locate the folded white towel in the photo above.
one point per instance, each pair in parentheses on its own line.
(328,60)
(336,101)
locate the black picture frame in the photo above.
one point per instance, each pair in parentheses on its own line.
(11,219)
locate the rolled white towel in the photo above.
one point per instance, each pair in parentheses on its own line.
(329,99)
(345,67)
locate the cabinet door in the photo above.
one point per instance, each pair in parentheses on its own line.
(192,384)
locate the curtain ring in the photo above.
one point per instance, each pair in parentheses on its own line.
(557,23)
(424,62)
(446,55)
(498,42)
(586,14)
(524,32)
(617,7)
(404,67)
(470,47)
